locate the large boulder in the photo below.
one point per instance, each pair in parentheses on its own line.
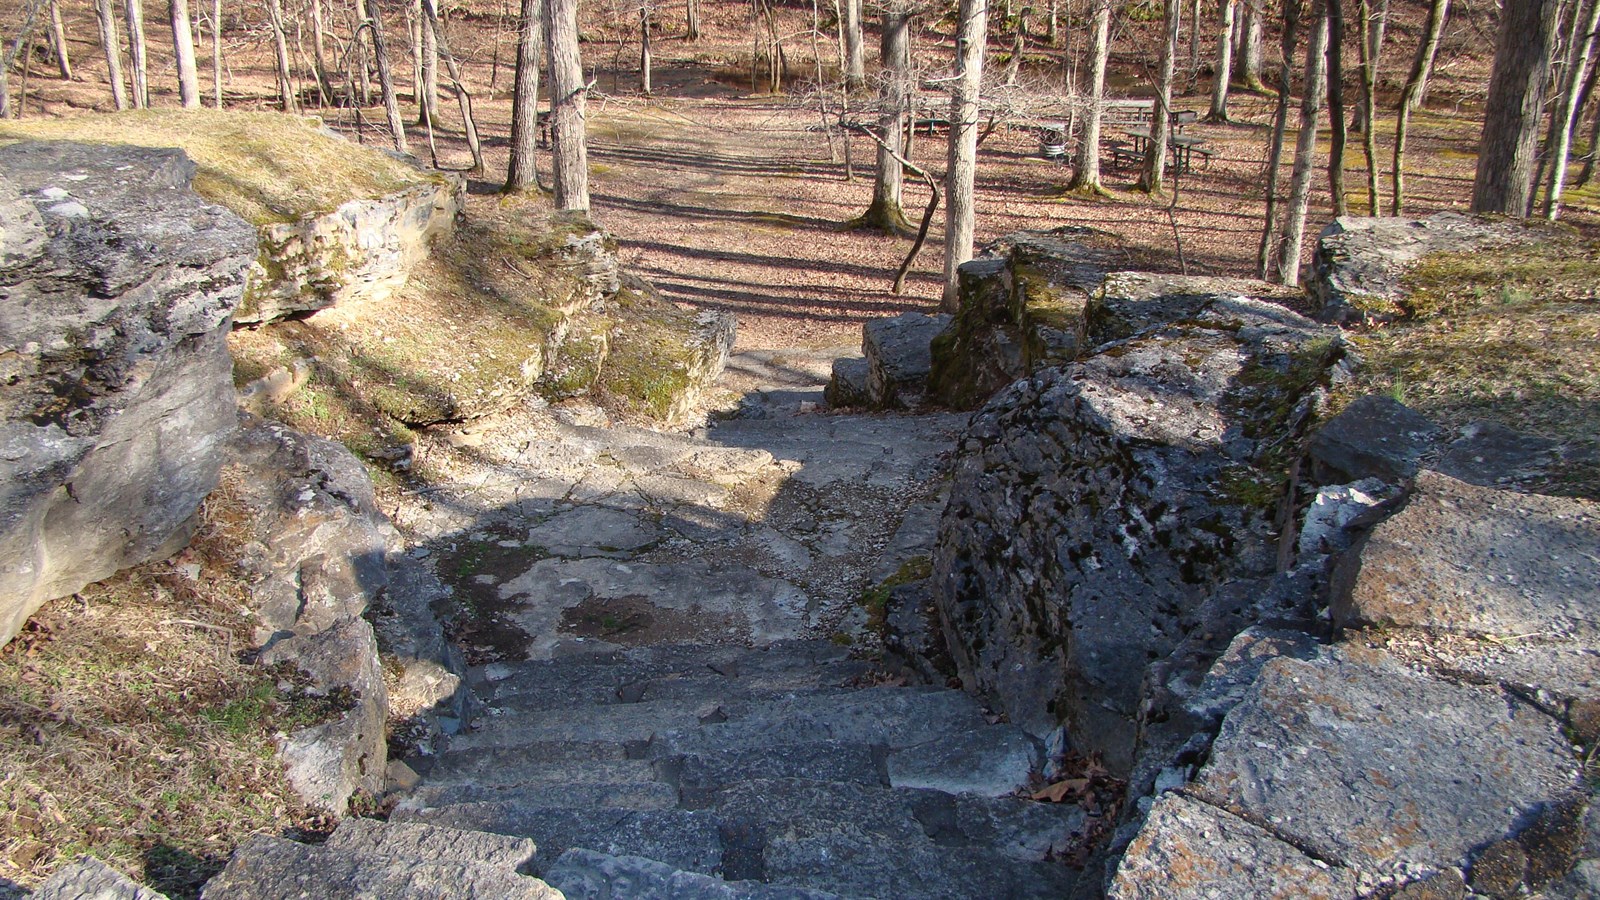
(899,356)
(1117,517)
(117,287)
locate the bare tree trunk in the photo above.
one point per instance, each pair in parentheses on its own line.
(1373,23)
(319,60)
(1368,106)
(428,66)
(1589,159)
(1014,62)
(216,51)
(644,47)
(692,21)
(1336,121)
(134,10)
(523,172)
(458,84)
(1194,43)
(380,59)
(1219,85)
(108,39)
(1437,11)
(972,20)
(1250,46)
(1506,152)
(855,57)
(1305,151)
(568,96)
(1431,54)
(58,42)
(1087,176)
(183,51)
(280,46)
(22,45)
(886,214)
(1565,116)
(1052,24)
(1155,156)
(1280,122)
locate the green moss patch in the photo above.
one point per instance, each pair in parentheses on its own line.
(265,166)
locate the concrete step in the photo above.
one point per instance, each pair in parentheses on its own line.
(369,859)
(841,865)
(683,839)
(615,795)
(699,775)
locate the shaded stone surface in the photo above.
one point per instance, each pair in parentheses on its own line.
(88,878)
(1189,849)
(587,875)
(116,398)
(899,357)
(1373,437)
(1363,762)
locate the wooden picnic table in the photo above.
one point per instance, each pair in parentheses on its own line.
(1183,147)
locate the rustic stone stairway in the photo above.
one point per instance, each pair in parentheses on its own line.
(691,770)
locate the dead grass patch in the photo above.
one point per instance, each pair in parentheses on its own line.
(131,726)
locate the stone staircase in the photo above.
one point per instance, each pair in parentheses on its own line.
(693,770)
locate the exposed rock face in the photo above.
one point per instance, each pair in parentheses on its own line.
(117,284)
(1115,518)
(324,561)
(1361,263)
(898,358)
(90,879)
(365,248)
(1024,304)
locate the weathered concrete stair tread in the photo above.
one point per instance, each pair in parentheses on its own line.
(417,864)
(843,765)
(926,873)
(598,676)
(594,687)
(894,717)
(611,795)
(587,875)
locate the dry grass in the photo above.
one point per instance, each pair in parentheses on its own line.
(132,728)
(1507,336)
(267,167)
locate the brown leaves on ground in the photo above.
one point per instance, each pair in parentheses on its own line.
(1087,783)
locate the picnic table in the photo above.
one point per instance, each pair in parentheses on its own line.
(1183,147)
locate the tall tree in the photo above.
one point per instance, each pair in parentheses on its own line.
(58,42)
(568,102)
(280,45)
(113,48)
(523,171)
(692,20)
(1299,199)
(23,44)
(1367,108)
(134,9)
(1280,123)
(855,56)
(1438,10)
(1086,178)
(1565,116)
(1155,156)
(183,54)
(1249,63)
(1336,121)
(644,47)
(972,25)
(427,84)
(319,59)
(1224,74)
(886,213)
(380,60)
(1507,149)
(469,122)
(216,51)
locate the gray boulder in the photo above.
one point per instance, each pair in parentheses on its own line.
(1373,437)
(1115,519)
(899,357)
(88,878)
(1361,263)
(848,386)
(117,285)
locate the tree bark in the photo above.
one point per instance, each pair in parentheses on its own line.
(1280,122)
(58,42)
(1219,84)
(644,48)
(319,59)
(1018,39)
(134,10)
(1437,11)
(380,60)
(280,47)
(1155,156)
(427,87)
(1507,150)
(1087,177)
(1250,46)
(523,171)
(183,52)
(1336,121)
(1368,107)
(108,40)
(1589,159)
(1430,50)
(886,213)
(568,100)
(1565,116)
(1194,44)
(692,21)
(1373,23)
(855,57)
(469,122)
(1305,152)
(216,52)
(22,45)
(960,216)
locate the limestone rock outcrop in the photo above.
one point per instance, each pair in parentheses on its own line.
(117,288)
(365,248)
(1117,518)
